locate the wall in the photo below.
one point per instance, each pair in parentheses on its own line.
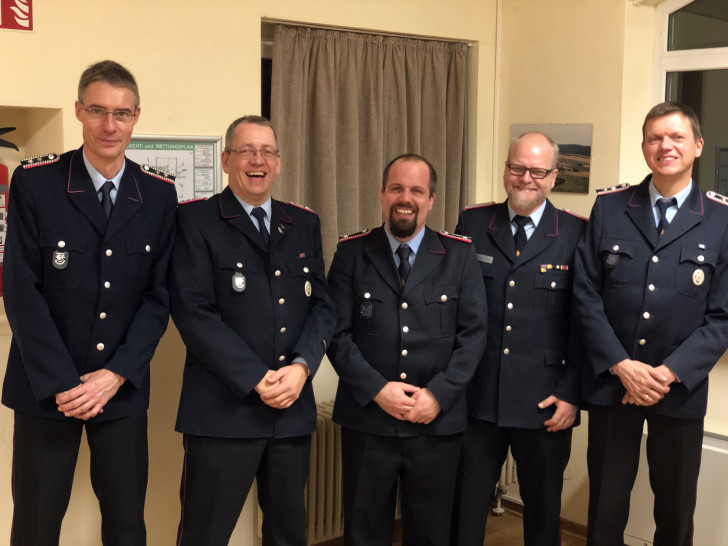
(198,68)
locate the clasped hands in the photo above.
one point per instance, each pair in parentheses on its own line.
(88,399)
(280,388)
(406,402)
(645,385)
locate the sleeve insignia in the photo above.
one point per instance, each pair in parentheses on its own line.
(612,189)
(302,207)
(463,238)
(350,236)
(480,205)
(37,160)
(158,173)
(718,198)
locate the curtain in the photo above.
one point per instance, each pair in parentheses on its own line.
(344,104)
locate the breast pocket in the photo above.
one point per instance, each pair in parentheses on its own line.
(441,309)
(368,309)
(64,256)
(617,257)
(140,253)
(553,285)
(695,271)
(235,277)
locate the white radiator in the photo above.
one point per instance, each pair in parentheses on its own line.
(508,476)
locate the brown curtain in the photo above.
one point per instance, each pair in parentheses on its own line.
(344,104)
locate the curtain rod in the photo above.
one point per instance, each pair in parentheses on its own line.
(362,31)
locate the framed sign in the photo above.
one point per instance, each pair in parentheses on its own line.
(195,161)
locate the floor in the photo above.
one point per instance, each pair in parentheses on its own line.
(507,530)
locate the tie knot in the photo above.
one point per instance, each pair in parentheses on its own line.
(106,188)
(663,204)
(259,214)
(521,221)
(403,251)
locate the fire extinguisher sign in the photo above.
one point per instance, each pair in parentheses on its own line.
(16,14)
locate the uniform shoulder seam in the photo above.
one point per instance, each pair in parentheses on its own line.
(158,173)
(352,236)
(455,236)
(613,189)
(38,160)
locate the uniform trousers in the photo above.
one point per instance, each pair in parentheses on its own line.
(217,476)
(674,448)
(424,467)
(541,458)
(44,461)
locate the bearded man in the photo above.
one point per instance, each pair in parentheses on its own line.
(410,331)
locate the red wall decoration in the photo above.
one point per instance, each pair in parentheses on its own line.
(16,14)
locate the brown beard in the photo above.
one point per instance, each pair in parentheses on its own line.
(404,228)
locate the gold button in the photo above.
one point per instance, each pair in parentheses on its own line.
(367,295)
(646,315)
(506,351)
(508,328)
(282,358)
(403,375)
(615,248)
(510,306)
(701,258)
(148,248)
(277,273)
(404,305)
(306,270)
(239,265)
(107,284)
(100,347)
(643,341)
(443,298)
(61,244)
(102,315)
(651,288)
(282,301)
(108,252)
(512,283)
(553,285)
(404,352)
(405,329)
(655,259)
(283,329)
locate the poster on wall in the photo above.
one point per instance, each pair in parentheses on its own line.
(16,14)
(193,160)
(575,142)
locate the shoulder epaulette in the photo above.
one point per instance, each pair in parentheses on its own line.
(463,238)
(480,205)
(302,207)
(718,198)
(570,213)
(350,236)
(158,173)
(613,189)
(30,162)
(188,201)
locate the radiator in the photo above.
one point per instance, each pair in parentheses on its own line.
(323,495)
(508,477)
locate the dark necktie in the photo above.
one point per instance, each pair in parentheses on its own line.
(259,214)
(106,202)
(403,251)
(662,205)
(520,235)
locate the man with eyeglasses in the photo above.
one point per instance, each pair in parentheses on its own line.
(85,289)
(250,299)
(652,299)
(525,392)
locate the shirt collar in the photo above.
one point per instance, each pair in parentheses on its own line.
(98,179)
(413,243)
(267,207)
(681,196)
(535,216)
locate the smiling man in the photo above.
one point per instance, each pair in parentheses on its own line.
(85,288)
(409,334)
(250,299)
(525,392)
(651,294)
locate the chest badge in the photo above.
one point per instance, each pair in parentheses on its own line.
(698,277)
(308,289)
(60,259)
(239,283)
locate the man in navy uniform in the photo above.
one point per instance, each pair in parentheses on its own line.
(85,288)
(410,331)
(651,293)
(250,299)
(525,391)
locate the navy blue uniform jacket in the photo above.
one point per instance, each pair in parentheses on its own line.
(67,322)
(656,300)
(430,333)
(530,352)
(234,337)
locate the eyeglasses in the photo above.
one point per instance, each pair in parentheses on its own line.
(99,114)
(536,173)
(249,153)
